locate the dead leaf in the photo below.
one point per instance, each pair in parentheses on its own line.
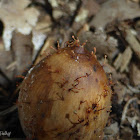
(133,42)
(22,48)
(135,75)
(5,60)
(115,10)
(123,59)
(15,15)
(46,50)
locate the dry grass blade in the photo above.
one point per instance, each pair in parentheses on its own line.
(126,109)
(9,110)
(134,44)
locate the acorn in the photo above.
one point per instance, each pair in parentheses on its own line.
(66,96)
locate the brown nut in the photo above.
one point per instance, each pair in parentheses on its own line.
(65,97)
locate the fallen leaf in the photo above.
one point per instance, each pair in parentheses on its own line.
(15,14)
(115,10)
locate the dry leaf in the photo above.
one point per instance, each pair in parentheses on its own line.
(123,59)
(22,47)
(133,42)
(115,10)
(135,75)
(46,50)
(16,15)
(5,60)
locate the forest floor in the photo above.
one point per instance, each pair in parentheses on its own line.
(28,29)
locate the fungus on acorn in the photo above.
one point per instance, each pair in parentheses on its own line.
(66,96)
